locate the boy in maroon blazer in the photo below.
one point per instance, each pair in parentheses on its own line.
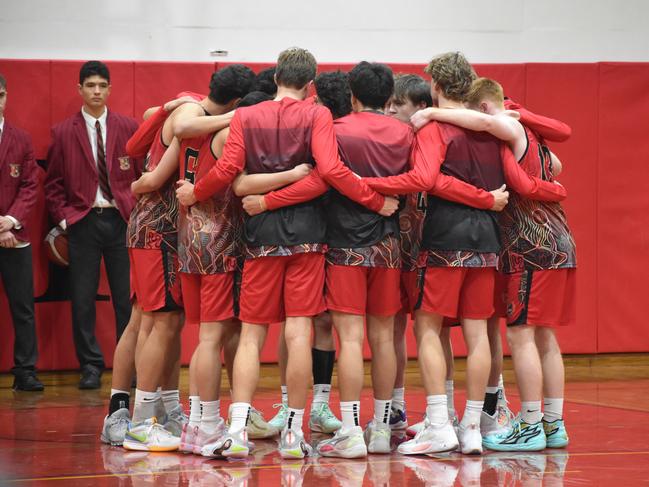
(19,182)
(88,194)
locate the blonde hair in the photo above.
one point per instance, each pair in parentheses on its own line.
(485,89)
(295,67)
(453,74)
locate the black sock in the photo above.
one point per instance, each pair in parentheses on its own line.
(323,365)
(490,403)
(118,401)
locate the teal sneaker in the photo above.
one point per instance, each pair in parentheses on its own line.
(555,433)
(322,419)
(520,436)
(279,420)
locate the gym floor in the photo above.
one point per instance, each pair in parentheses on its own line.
(52,438)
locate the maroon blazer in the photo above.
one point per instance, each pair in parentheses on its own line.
(19,176)
(72,179)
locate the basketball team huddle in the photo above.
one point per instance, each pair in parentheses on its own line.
(380,198)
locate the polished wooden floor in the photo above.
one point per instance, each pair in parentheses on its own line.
(51,438)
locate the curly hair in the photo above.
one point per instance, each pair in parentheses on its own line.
(333,92)
(453,74)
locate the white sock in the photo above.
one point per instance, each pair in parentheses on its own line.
(501,390)
(210,416)
(552,408)
(351,413)
(382,410)
(472,413)
(436,409)
(531,412)
(240,412)
(144,405)
(171,399)
(285,395)
(450,403)
(398,398)
(321,393)
(117,391)
(194,411)
(294,420)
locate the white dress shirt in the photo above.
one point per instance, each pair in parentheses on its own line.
(100,201)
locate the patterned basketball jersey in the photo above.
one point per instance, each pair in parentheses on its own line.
(153,219)
(411,222)
(209,232)
(535,234)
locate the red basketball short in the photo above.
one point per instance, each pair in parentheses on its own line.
(409,290)
(462,292)
(542,297)
(154,279)
(360,290)
(208,297)
(273,288)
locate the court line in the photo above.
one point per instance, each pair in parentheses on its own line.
(279,466)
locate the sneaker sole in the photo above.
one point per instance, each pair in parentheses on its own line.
(382,451)
(140,447)
(514,447)
(558,444)
(429,451)
(359,453)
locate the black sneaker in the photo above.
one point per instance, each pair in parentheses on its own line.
(27,382)
(90,378)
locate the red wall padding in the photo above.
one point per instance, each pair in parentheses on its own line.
(605,171)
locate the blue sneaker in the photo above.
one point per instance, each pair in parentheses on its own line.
(520,436)
(398,419)
(555,433)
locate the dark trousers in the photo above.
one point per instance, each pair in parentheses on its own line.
(99,233)
(16,274)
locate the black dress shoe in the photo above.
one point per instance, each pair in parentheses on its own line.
(27,382)
(90,378)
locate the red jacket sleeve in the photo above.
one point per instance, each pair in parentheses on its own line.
(303,190)
(546,127)
(426,157)
(453,189)
(325,152)
(140,142)
(526,185)
(54,183)
(231,163)
(27,192)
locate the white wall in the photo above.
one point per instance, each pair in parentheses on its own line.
(498,31)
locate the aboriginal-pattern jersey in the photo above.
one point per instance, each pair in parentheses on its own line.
(153,219)
(535,234)
(411,222)
(210,231)
(457,258)
(386,253)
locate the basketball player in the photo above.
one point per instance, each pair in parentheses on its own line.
(284,270)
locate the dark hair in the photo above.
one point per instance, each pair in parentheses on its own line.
(371,83)
(295,68)
(253,98)
(412,87)
(265,81)
(230,83)
(333,91)
(92,68)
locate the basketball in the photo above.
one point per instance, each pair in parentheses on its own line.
(57,246)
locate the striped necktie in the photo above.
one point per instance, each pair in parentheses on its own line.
(102,171)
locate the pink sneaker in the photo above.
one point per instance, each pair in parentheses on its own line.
(203,438)
(187,438)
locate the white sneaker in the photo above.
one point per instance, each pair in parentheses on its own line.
(377,437)
(149,436)
(433,438)
(293,445)
(258,428)
(344,444)
(203,438)
(470,439)
(491,424)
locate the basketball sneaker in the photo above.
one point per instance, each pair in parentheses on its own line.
(204,437)
(258,428)
(433,438)
(149,436)
(520,436)
(555,434)
(322,420)
(470,439)
(115,427)
(175,420)
(229,445)
(417,427)
(398,419)
(377,437)
(187,438)
(345,444)
(293,445)
(279,420)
